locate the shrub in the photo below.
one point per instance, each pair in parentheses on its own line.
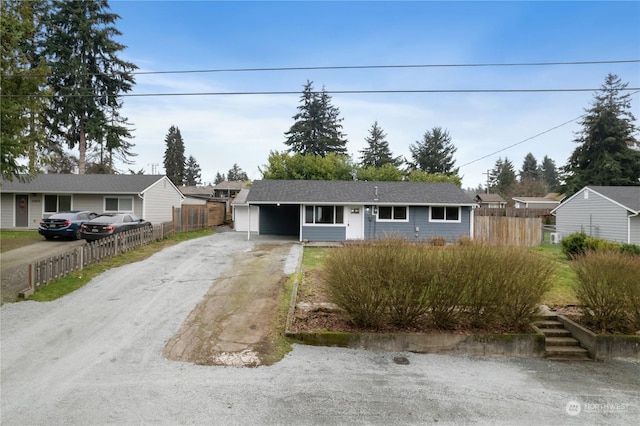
(609,289)
(437,241)
(632,249)
(573,244)
(598,244)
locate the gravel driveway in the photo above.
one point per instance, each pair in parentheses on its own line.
(95,357)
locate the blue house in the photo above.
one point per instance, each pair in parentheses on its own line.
(313,210)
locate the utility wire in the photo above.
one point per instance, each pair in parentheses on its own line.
(359,67)
(533,137)
(333,92)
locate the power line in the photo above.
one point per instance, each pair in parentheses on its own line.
(333,92)
(533,137)
(360,67)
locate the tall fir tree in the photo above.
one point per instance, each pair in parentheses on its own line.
(192,172)
(608,152)
(530,170)
(236,174)
(377,152)
(549,173)
(317,129)
(434,154)
(502,178)
(87,75)
(174,159)
(24,76)
(219,178)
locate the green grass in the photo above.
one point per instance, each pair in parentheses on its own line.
(313,257)
(10,240)
(77,279)
(562,293)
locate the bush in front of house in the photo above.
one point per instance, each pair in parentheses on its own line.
(608,289)
(632,249)
(399,282)
(579,243)
(573,245)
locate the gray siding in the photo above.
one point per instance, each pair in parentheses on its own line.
(7,206)
(418,217)
(635,230)
(159,201)
(595,216)
(324,233)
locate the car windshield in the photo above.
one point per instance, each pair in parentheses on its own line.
(67,216)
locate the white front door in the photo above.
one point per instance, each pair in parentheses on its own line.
(355,222)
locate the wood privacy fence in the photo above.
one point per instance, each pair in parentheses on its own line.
(42,272)
(191,217)
(511,231)
(511,212)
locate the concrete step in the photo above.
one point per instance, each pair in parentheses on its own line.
(567,352)
(561,341)
(549,324)
(555,332)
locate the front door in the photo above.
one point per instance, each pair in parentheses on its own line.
(355,222)
(22,210)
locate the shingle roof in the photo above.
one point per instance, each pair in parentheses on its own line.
(229,185)
(490,198)
(322,191)
(87,184)
(628,196)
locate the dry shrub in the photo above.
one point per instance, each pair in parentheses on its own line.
(609,289)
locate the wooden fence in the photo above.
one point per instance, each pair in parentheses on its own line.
(191,217)
(512,231)
(42,272)
(511,212)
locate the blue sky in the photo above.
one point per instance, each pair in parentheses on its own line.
(226,129)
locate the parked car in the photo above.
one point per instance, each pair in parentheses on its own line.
(65,224)
(111,223)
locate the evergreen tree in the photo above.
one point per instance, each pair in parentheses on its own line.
(529,169)
(219,178)
(608,153)
(174,160)
(236,174)
(192,173)
(549,173)
(317,129)
(434,154)
(88,78)
(502,178)
(377,152)
(24,76)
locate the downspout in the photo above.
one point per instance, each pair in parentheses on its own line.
(471,224)
(629,226)
(249,219)
(144,205)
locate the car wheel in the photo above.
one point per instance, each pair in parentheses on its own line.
(78,234)
(48,237)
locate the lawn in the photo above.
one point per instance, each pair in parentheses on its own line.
(10,240)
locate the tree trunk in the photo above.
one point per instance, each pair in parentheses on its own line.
(82,148)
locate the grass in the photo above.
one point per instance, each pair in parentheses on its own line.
(10,240)
(77,279)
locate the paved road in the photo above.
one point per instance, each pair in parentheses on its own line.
(95,357)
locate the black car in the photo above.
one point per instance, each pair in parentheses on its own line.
(111,223)
(65,224)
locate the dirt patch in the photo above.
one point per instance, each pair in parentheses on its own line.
(234,323)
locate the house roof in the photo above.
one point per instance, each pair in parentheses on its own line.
(627,197)
(536,200)
(490,198)
(345,192)
(82,184)
(226,185)
(196,190)
(241,198)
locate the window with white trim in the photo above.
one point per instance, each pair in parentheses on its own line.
(324,215)
(118,204)
(444,214)
(393,214)
(56,203)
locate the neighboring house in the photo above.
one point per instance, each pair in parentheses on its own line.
(549,201)
(492,201)
(242,220)
(196,194)
(608,212)
(227,189)
(151,197)
(313,210)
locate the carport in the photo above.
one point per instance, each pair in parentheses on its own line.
(279,219)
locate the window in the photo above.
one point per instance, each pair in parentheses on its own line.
(396,213)
(444,214)
(324,215)
(118,204)
(57,203)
